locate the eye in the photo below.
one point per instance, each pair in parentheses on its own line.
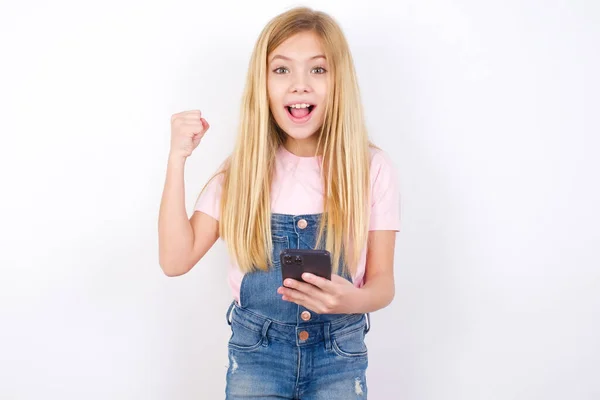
(319,70)
(280,70)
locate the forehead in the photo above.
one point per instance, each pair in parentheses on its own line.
(301,46)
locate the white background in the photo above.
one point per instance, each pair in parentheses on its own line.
(489,109)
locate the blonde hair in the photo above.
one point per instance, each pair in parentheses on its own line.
(245,221)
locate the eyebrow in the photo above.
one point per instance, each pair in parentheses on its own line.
(279,56)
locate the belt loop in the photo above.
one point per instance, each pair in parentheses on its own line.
(368,327)
(265,340)
(228,314)
(327,336)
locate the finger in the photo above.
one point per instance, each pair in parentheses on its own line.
(192,116)
(302,287)
(311,301)
(205,124)
(309,305)
(199,126)
(192,113)
(195,124)
(320,282)
(284,291)
(300,298)
(306,302)
(192,127)
(292,295)
(183,114)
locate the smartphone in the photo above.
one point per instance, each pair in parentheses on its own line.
(294,262)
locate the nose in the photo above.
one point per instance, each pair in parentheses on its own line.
(299,84)
(299,89)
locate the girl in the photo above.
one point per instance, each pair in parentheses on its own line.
(303,174)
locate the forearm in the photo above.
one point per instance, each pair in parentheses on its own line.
(377,293)
(176,236)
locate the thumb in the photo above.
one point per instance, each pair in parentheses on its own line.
(205,124)
(337,279)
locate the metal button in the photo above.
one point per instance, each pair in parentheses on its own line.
(302,224)
(303,335)
(305,315)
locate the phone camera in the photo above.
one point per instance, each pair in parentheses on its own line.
(287,259)
(298,260)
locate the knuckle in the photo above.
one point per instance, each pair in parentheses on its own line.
(331,303)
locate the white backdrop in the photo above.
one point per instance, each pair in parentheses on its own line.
(489,109)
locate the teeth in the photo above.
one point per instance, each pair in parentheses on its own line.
(301,105)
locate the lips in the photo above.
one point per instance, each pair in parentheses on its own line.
(300,115)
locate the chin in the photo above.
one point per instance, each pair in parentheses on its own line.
(300,131)
(297,133)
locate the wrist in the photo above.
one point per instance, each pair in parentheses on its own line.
(176,159)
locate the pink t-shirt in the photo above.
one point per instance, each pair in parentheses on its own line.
(297,188)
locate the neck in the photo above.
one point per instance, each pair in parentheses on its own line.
(301,147)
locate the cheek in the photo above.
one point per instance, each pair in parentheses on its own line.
(276,109)
(324,89)
(322,95)
(273,105)
(271,93)
(275,98)
(321,89)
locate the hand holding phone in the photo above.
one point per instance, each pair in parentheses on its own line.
(295,262)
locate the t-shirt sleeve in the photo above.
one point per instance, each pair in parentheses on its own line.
(385,194)
(209,200)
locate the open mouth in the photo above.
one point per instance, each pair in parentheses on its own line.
(300,113)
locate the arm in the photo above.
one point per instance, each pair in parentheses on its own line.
(379,289)
(338,295)
(182,242)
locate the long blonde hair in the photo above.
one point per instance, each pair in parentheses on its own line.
(245,220)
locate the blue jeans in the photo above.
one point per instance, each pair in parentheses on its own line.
(280,350)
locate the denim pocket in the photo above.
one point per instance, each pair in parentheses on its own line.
(280,243)
(350,344)
(244,339)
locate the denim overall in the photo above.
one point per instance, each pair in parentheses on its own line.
(281,350)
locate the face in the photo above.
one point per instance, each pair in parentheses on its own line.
(297,85)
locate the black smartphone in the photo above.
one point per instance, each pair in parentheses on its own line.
(294,262)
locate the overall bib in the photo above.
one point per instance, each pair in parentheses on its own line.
(280,350)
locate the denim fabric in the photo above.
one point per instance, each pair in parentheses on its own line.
(280,350)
